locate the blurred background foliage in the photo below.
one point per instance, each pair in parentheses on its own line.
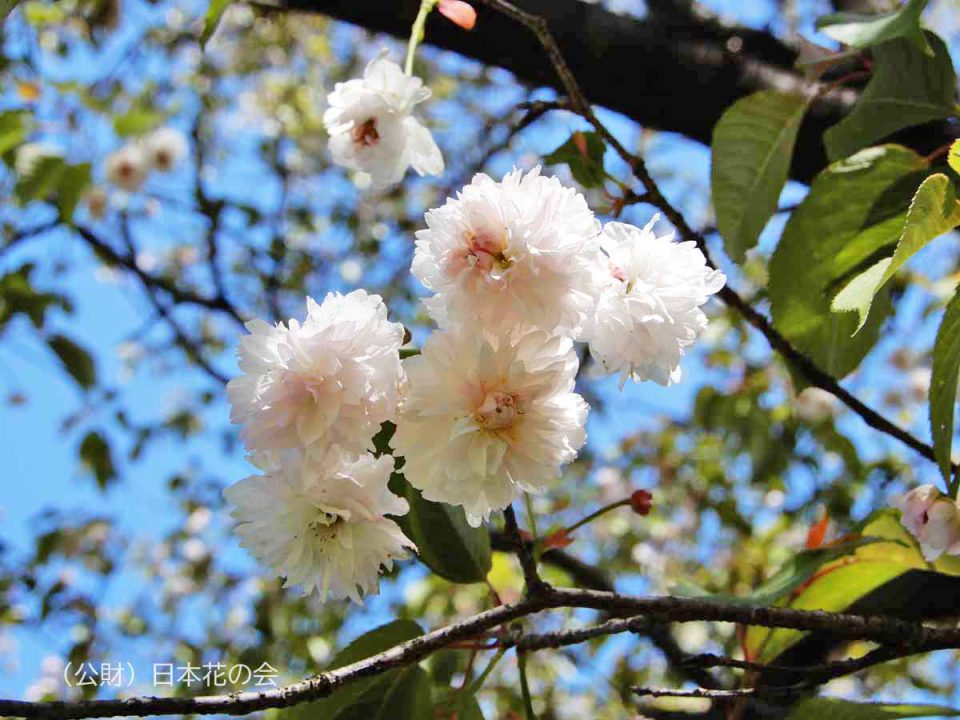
(119,314)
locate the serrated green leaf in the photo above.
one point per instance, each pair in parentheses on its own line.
(953,157)
(855,209)
(96,457)
(834,709)
(583,153)
(362,698)
(445,542)
(863,31)
(908,87)
(751,150)
(75,359)
(933,212)
(943,385)
(212,19)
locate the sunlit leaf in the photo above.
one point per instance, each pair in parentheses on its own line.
(908,87)
(212,19)
(863,31)
(583,153)
(933,212)
(751,150)
(855,208)
(943,385)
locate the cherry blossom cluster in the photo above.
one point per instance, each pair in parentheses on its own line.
(159,151)
(519,273)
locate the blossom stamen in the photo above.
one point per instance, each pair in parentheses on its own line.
(365,133)
(499,410)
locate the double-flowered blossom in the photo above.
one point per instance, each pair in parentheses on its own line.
(332,379)
(320,520)
(372,127)
(933,519)
(521,252)
(648,312)
(488,416)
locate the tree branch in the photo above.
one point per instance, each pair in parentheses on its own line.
(662,609)
(676,72)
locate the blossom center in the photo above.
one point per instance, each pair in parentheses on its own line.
(365,133)
(499,410)
(487,250)
(325,526)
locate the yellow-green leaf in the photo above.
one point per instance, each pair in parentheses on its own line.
(934,211)
(863,31)
(943,385)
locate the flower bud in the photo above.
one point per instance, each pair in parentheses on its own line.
(459,13)
(641,502)
(933,519)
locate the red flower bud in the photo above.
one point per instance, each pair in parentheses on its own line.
(459,13)
(641,501)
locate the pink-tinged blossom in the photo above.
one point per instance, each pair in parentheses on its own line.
(523,253)
(485,418)
(648,312)
(332,379)
(933,519)
(372,127)
(319,520)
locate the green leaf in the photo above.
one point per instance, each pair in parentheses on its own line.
(855,209)
(463,706)
(76,360)
(212,19)
(863,31)
(409,697)
(933,212)
(943,385)
(953,158)
(445,541)
(74,182)
(137,121)
(361,698)
(96,456)
(13,129)
(794,573)
(891,553)
(751,150)
(583,152)
(834,709)
(908,87)
(40,179)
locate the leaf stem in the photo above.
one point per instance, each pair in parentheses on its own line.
(416,33)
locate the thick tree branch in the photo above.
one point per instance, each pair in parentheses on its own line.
(671,71)
(662,609)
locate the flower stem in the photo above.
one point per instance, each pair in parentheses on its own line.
(594,515)
(531,516)
(481,678)
(525,686)
(416,33)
